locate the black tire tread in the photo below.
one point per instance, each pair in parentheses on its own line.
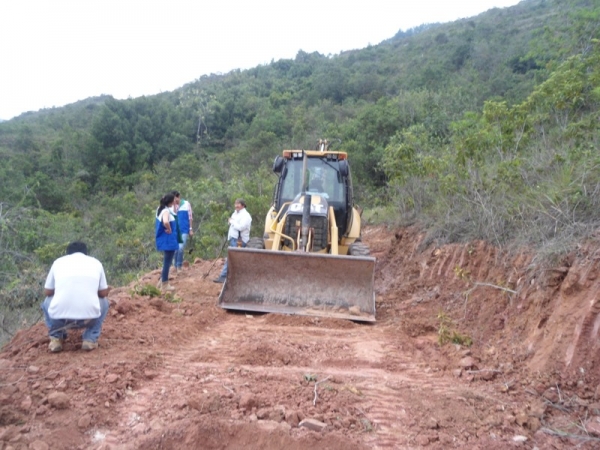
(257,243)
(359,249)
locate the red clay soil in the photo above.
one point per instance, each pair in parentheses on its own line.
(181,373)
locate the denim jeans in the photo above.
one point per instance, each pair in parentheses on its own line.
(179,254)
(232,243)
(57,328)
(167,261)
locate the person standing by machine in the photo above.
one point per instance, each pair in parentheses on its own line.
(239,232)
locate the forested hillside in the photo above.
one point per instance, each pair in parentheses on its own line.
(482,128)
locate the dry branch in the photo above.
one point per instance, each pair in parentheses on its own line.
(316,384)
(570,435)
(548,402)
(494,286)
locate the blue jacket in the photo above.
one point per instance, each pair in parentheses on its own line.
(183,216)
(164,241)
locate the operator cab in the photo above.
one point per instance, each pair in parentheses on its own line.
(327,176)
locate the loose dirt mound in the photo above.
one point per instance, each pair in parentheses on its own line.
(179,372)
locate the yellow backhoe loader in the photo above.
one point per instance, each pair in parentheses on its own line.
(310,260)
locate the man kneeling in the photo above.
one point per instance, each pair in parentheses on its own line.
(76,292)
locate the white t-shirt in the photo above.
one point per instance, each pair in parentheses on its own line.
(240,225)
(76,280)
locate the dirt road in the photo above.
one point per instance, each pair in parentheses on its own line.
(179,372)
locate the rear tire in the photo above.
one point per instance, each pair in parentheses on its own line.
(359,249)
(257,243)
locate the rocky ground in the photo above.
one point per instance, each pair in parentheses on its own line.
(473,348)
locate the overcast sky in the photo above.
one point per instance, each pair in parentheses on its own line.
(56,52)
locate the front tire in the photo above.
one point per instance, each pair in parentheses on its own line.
(359,249)
(256,243)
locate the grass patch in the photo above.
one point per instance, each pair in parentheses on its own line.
(146,290)
(447,332)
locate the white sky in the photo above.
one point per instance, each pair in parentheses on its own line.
(56,52)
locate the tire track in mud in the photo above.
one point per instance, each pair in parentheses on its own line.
(233,358)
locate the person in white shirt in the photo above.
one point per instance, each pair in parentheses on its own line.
(76,292)
(239,232)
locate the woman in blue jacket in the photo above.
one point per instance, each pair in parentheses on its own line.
(166,237)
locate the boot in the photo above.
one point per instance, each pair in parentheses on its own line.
(89,345)
(55,345)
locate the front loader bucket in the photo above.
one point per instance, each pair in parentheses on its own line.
(309,284)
